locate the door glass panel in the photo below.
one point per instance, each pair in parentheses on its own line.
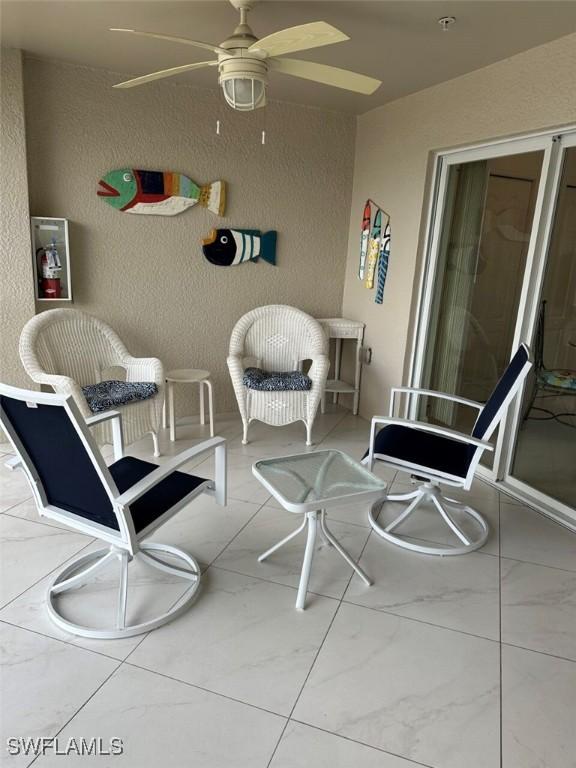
(486,229)
(545,455)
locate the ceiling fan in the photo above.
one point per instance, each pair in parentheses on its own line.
(244,61)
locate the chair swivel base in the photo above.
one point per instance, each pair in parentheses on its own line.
(82,569)
(430,492)
(316,521)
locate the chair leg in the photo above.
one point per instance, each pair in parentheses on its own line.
(102,557)
(309,433)
(122,591)
(244,432)
(77,573)
(406,513)
(155,443)
(449,522)
(281,543)
(430,491)
(312,520)
(144,554)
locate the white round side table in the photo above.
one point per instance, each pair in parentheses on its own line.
(188,376)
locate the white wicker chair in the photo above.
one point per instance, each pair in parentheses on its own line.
(278,338)
(68,349)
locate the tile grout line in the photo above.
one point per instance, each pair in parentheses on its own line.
(45,575)
(17,504)
(540,653)
(80,709)
(211,563)
(407,760)
(102,684)
(59,640)
(9,513)
(201,687)
(539,565)
(421,621)
(316,656)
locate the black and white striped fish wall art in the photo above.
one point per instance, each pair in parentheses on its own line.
(230,247)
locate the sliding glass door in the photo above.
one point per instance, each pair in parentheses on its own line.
(501,244)
(544,452)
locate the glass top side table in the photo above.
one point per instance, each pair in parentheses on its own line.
(309,484)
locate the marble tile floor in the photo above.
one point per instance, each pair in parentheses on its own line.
(466,662)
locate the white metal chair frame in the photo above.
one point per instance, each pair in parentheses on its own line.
(124,544)
(429,490)
(91,346)
(278,338)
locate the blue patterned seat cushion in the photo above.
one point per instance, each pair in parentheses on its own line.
(108,394)
(271,381)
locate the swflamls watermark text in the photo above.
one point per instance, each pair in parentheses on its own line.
(34,746)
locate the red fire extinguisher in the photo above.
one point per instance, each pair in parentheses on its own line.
(50,270)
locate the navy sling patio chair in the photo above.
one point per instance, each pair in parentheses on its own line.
(437,456)
(121,504)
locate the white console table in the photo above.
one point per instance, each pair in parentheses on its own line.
(339,328)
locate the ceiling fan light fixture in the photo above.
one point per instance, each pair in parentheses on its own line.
(243,81)
(244,93)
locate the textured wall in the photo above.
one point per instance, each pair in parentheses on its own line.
(532,90)
(146,275)
(17,287)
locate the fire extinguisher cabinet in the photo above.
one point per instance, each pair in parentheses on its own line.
(51,259)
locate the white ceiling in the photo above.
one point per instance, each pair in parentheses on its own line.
(397,41)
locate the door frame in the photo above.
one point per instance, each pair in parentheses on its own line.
(552,507)
(553,143)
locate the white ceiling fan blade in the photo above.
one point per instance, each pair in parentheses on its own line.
(173,39)
(299,38)
(165,73)
(321,73)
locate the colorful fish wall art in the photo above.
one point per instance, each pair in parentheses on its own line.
(230,247)
(365,236)
(162,193)
(374,250)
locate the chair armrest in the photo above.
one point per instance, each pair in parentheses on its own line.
(431,393)
(461,437)
(144,369)
(117,434)
(319,368)
(148,482)
(104,416)
(62,385)
(235,362)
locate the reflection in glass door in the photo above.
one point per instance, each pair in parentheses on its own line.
(545,453)
(482,252)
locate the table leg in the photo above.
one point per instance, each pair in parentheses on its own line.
(210,405)
(202,417)
(307,563)
(171,416)
(357,369)
(340,549)
(337,366)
